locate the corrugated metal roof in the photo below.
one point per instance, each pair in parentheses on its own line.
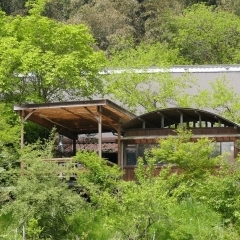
(177,69)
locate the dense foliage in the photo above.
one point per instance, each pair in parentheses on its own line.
(43,60)
(48,53)
(121,24)
(201,202)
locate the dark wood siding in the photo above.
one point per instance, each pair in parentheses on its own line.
(172,131)
(129,174)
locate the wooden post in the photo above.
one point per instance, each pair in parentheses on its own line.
(100,132)
(181,119)
(200,121)
(23,119)
(119,146)
(162,121)
(22,129)
(22,136)
(74,147)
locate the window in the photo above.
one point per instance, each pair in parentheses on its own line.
(131,154)
(216,149)
(229,148)
(133,151)
(224,147)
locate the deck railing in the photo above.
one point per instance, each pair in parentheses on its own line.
(69,167)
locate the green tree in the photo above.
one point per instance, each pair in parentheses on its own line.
(97,176)
(107,22)
(9,152)
(43,60)
(121,205)
(207,2)
(221,97)
(203,178)
(9,135)
(144,91)
(167,206)
(207,36)
(194,158)
(158,16)
(230,6)
(43,204)
(59,10)
(13,7)
(221,192)
(151,207)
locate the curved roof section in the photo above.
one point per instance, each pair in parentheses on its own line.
(175,116)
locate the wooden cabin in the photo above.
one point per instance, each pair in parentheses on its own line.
(134,133)
(142,132)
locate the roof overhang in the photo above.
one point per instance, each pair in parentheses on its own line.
(78,117)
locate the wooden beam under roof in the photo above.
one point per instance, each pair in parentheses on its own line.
(72,118)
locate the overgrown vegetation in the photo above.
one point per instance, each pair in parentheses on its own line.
(198,203)
(43,60)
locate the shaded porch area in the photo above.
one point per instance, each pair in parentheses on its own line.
(72,119)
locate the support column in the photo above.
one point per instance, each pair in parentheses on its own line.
(200,121)
(181,119)
(119,146)
(74,147)
(219,122)
(22,145)
(100,131)
(162,121)
(22,128)
(23,119)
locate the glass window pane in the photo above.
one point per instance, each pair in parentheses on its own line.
(131,154)
(141,149)
(144,149)
(229,148)
(216,149)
